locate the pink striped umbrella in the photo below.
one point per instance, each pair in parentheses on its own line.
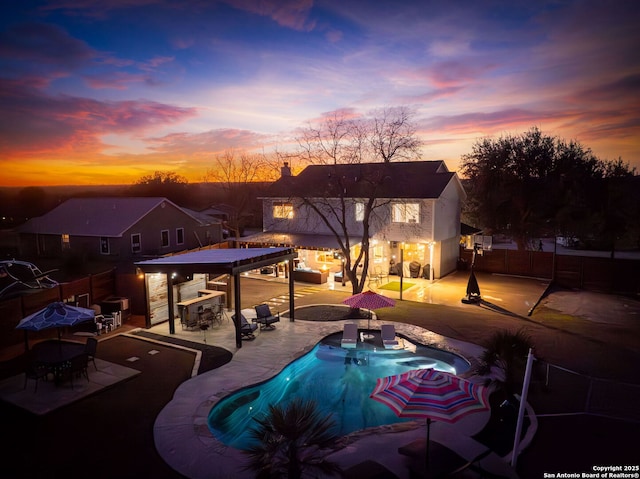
(433,394)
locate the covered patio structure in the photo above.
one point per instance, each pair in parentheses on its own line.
(233,262)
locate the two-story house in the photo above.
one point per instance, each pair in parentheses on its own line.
(416,217)
(117,228)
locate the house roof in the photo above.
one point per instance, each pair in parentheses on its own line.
(110,217)
(406,179)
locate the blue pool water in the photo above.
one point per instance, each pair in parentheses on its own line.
(337,379)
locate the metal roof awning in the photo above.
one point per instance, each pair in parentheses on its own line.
(221,261)
(297,240)
(217,261)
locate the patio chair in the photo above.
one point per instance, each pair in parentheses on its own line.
(349,336)
(265,318)
(246,328)
(388,332)
(381,274)
(76,367)
(90,348)
(36,371)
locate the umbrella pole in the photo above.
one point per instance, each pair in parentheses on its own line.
(426,461)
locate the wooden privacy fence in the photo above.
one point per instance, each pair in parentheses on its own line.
(85,291)
(609,275)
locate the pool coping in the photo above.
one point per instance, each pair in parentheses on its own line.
(181,432)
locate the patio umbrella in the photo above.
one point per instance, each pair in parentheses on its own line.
(369,300)
(432,394)
(56,315)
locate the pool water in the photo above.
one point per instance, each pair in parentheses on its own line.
(338,380)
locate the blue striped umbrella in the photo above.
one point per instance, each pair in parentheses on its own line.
(432,394)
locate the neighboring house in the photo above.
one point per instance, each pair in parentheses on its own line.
(117,228)
(419,220)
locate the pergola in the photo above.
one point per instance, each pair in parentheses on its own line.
(233,261)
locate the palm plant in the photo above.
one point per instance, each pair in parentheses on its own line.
(290,440)
(507,352)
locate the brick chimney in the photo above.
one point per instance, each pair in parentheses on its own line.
(285,170)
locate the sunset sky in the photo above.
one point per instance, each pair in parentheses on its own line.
(104,92)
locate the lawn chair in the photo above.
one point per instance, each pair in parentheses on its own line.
(265,318)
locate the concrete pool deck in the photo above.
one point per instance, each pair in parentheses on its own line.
(183,439)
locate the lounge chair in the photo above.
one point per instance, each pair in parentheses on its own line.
(389,340)
(246,328)
(349,336)
(265,318)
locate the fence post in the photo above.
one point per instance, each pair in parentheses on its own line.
(523,401)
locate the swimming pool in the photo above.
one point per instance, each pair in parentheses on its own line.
(337,379)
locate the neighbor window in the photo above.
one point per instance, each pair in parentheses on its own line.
(406,212)
(179,235)
(104,245)
(66,242)
(282,210)
(164,238)
(359,211)
(136,243)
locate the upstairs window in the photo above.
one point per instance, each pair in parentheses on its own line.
(179,235)
(406,212)
(359,212)
(136,243)
(282,210)
(164,238)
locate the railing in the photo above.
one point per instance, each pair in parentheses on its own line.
(559,391)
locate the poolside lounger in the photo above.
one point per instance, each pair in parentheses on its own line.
(349,336)
(389,337)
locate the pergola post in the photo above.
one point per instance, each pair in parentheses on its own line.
(237,307)
(292,304)
(172,326)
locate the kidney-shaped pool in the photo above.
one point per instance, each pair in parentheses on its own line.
(338,380)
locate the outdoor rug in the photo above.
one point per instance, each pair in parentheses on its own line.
(395,286)
(212,357)
(49,397)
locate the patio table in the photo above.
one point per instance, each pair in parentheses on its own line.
(55,354)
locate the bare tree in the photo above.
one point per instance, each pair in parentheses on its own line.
(358,142)
(237,174)
(393,135)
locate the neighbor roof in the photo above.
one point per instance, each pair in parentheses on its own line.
(110,216)
(406,179)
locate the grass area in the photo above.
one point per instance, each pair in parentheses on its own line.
(395,286)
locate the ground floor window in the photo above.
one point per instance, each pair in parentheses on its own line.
(66,242)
